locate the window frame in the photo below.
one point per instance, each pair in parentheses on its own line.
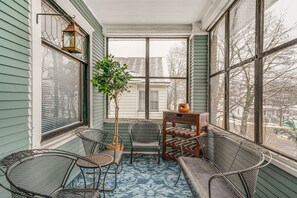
(147,77)
(83,98)
(142,92)
(258,74)
(84,78)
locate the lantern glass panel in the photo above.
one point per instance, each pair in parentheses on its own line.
(79,42)
(68,39)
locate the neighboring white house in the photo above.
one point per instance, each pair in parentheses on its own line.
(132,103)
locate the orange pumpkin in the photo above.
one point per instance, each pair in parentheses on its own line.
(183,107)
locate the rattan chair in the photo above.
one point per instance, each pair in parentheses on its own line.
(47,173)
(94,142)
(145,135)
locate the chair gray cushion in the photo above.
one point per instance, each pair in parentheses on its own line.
(118,156)
(197,172)
(146,145)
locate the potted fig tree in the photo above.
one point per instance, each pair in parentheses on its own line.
(111,78)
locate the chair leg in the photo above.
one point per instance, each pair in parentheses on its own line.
(179,173)
(131,157)
(115,171)
(104,178)
(158,156)
(115,177)
(120,166)
(83,175)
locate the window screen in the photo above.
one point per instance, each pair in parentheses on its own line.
(60,90)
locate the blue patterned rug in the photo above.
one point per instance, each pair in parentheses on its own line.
(145,178)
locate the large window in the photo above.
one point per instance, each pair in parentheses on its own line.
(279,100)
(241,100)
(132,52)
(242,31)
(64,76)
(253,91)
(217,65)
(217,38)
(61,91)
(217,86)
(159,70)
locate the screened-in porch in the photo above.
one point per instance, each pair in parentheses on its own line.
(67,124)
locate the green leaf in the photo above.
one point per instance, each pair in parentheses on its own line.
(110,76)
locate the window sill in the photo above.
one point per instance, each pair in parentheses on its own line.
(126,120)
(286,164)
(61,139)
(141,111)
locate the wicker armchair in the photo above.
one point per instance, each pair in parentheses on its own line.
(145,134)
(46,173)
(94,143)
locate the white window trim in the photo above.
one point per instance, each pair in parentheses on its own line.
(138,100)
(158,108)
(36,60)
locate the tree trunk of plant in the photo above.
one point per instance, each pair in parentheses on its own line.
(116,121)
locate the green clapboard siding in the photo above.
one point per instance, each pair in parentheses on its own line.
(98,53)
(74,146)
(123,132)
(273,182)
(15,102)
(198,72)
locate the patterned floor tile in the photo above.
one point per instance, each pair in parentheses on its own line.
(145,178)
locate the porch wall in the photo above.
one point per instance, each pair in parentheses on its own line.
(273,182)
(15,77)
(123,132)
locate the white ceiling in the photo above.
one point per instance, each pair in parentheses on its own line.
(148,11)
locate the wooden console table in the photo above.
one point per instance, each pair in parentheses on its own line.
(171,148)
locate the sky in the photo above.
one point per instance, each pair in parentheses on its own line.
(136,47)
(289,10)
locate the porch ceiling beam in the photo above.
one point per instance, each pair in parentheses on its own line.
(147,30)
(214,13)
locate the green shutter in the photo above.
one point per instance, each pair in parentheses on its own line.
(198,72)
